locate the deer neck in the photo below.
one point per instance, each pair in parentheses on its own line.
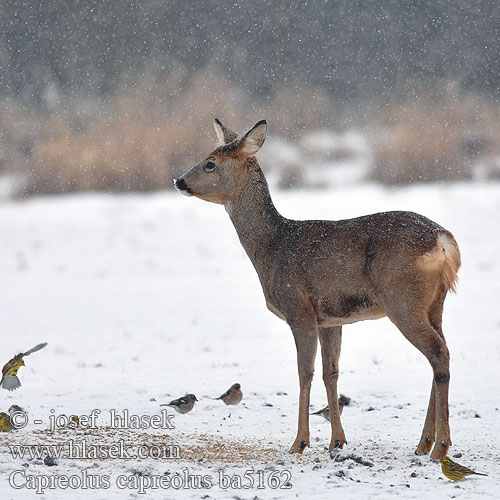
(253,214)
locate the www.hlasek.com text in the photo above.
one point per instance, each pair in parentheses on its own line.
(80,449)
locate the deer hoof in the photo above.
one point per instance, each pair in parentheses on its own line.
(337,444)
(425,445)
(439,450)
(299,446)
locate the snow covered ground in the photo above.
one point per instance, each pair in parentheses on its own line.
(143,298)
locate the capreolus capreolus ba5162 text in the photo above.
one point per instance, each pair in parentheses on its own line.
(319,275)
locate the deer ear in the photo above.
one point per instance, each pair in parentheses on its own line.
(224,134)
(252,141)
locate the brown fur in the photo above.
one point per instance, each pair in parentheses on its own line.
(320,275)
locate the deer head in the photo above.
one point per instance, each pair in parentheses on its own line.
(219,175)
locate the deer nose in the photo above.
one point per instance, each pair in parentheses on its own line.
(180,185)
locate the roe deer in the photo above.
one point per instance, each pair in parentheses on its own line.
(319,275)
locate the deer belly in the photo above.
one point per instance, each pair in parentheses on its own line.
(349,309)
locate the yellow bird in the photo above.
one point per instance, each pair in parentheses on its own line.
(74,422)
(9,379)
(455,471)
(5,423)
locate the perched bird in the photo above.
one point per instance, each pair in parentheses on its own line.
(9,371)
(16,408)
(182,405)
(5,423)
(455,471)
(325,412)
(74,422)
(232,396)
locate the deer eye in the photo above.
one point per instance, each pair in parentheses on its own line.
(209,166)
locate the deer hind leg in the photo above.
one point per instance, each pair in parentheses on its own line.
(306,340)
(435,315)
(419,331)
(331,339)
(429,431)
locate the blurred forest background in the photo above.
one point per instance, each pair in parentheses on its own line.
(120,95)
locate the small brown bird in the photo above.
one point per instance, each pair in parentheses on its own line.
(16,409)
(10,380)
(232,396)
(182,405)
(455,471)
(325,412)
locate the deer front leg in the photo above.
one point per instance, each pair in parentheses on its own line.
(306,341)
(331,340)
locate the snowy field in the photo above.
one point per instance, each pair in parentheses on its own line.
(143,298)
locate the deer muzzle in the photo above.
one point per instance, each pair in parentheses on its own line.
(182,187)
